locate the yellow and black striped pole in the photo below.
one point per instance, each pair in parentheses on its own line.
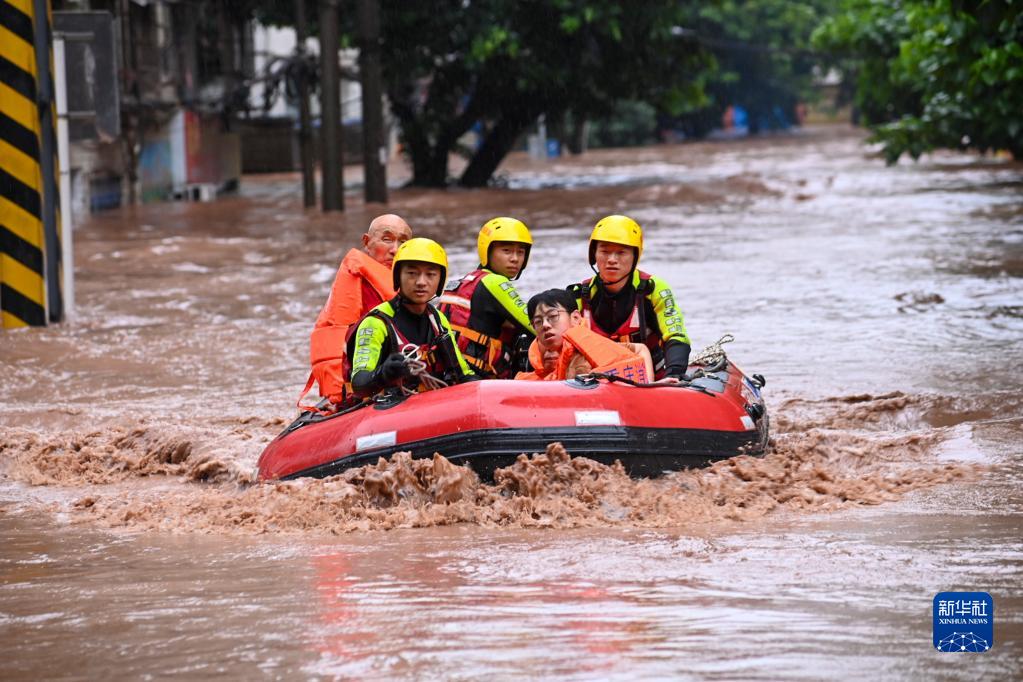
(29,246)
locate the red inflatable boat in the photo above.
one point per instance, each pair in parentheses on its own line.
(487,424)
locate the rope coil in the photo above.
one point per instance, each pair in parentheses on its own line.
(714,353)
(417,367)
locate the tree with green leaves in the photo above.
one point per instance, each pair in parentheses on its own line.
(764,61)
(933,74)
(451,64)
(497,65)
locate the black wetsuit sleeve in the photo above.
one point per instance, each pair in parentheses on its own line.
(503,302)
(676,358)
(368,383)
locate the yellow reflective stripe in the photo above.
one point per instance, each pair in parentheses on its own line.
(17,51)
(21,222)
(24,5)
(8,321)
(472,335)
(369,340)
(16,107)
(15,44)
(27,283)
(507,296)
(670,321)
(494,346)
(22,167)
(452,299)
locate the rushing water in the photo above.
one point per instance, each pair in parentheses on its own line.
(883,304)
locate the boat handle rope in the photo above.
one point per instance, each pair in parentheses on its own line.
(614,378)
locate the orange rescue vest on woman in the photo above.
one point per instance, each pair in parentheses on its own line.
(344,308)
(602,354)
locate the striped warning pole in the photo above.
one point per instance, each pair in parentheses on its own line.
(29,246)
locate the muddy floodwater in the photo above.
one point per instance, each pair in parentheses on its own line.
(883,305)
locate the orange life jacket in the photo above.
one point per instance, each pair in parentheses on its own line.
(343,309)
(603,355)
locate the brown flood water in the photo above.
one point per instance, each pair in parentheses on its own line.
(884,306)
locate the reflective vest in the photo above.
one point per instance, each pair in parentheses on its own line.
(636,328)
(602,354)
(484,354)
(344,308)
(438,358)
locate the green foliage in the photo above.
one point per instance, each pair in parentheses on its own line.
(630,124)
(448,64)
(934,73)
(764,60)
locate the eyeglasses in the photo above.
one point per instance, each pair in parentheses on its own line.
(551,318)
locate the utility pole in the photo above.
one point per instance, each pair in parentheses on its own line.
(305,140)
(48,134)
(131,135)
(330,108)
(374,150)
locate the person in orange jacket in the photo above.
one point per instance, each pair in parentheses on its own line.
(565,347)
(363,281)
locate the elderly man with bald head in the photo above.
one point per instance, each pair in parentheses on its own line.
(385,234)
(363,281)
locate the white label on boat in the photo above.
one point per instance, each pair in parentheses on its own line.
(597,418)
(376,440)
(747,422)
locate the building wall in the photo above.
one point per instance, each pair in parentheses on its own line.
(172,91)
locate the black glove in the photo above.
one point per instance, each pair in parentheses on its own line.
(519,357)
(676,359)
(394,367)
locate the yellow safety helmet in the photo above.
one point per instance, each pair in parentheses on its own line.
(503,230)
(420,250)
(617,229)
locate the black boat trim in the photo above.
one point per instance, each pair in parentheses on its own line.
(642,451)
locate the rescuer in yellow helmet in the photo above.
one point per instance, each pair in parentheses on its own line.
(625,304)
(405,336)
(486,311)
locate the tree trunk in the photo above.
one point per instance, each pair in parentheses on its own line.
(427,169)
(495,147)
(430,159)
(333,195)
(436,168)
(578,142)
(373,149)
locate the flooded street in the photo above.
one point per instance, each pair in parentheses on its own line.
(883,305)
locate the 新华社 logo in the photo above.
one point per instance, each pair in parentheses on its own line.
(964,622)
